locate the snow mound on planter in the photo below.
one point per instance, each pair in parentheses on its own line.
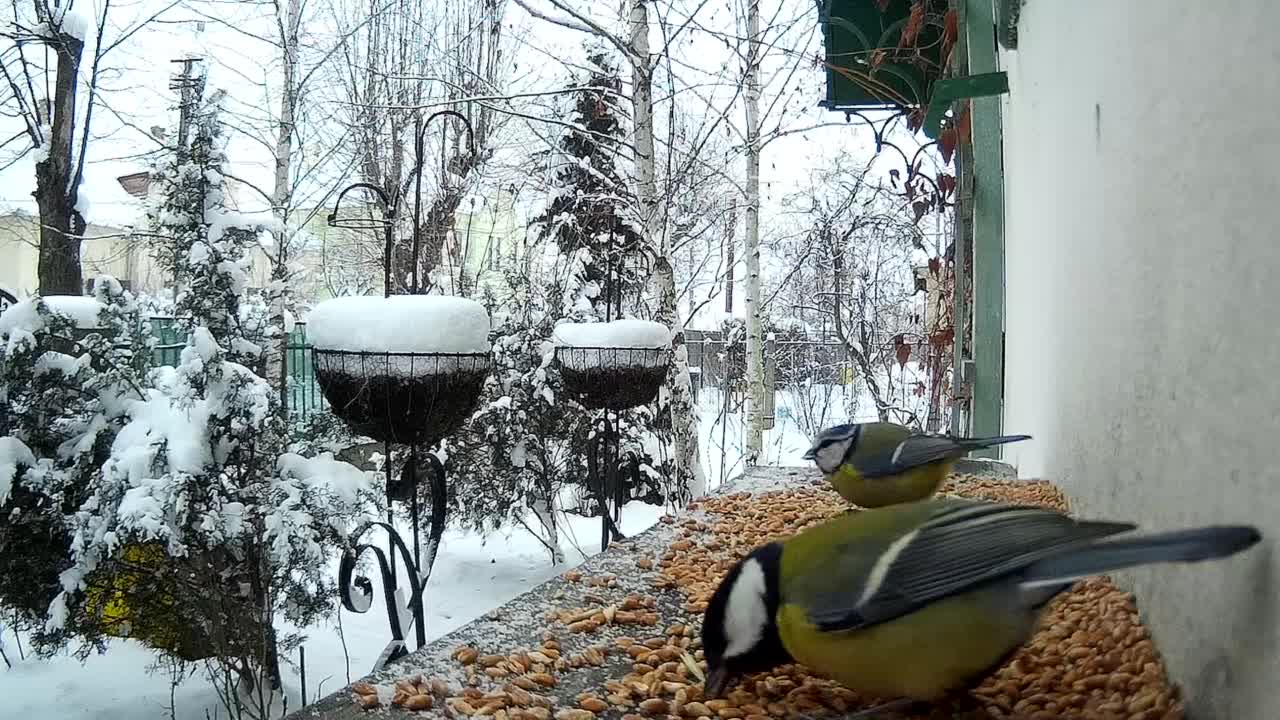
(611,345)
(81,311)
(400,324)
(629,333)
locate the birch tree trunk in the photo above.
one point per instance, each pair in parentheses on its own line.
(275,362)
(689,475)
(755,343)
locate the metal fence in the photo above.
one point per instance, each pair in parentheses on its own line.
(304,395)
(795,361)
(801,370)
(170,339)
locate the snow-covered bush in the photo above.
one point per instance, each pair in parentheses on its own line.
(591,212)
(533,437)
(524,450)
(179,517)
(66,366)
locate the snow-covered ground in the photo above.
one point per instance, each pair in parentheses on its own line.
(472,575)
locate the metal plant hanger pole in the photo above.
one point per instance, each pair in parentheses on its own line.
(602,468)
(602,448)
(610,377)
(390,206)
(356,591)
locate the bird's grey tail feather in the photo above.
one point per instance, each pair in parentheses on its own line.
(1208,543)
(986,442)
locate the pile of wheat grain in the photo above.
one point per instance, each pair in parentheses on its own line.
(1092,659)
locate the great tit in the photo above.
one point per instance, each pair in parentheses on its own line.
(920,600)
(877,464)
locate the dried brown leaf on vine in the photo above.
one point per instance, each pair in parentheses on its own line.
(947,144)
(915,21)
(915,120)
(901,350)
(919,389)
(950,31)
(878,56)
(946,184)
(943,337)
(919,208)
(935,266)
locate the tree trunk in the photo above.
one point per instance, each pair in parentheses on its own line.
(755,343)
(689,476)
(61,227)
(276,360)
(545,510)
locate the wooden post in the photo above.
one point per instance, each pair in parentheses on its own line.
(988,230)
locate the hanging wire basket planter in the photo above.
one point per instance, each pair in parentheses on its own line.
(406,369)
(401,397)
(612,378)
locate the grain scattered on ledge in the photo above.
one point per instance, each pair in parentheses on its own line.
(638,657)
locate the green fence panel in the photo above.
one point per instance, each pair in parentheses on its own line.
(304,396)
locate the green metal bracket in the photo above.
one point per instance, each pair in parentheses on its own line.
(948,91)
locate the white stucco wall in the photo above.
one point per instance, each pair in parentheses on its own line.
(1142,157)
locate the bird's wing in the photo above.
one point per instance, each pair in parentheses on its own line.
(963,545)
(913,451)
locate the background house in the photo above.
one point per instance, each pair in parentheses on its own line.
(486,239)
(106,249)
(1140,156)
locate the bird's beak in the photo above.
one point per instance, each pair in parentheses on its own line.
(809,454)
(716,682)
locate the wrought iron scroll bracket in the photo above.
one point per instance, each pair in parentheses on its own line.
(602,468)
(357,590)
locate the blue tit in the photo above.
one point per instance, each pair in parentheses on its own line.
(920,600)
(877,464)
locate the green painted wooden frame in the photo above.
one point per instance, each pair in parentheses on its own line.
(946,92)
(987,397)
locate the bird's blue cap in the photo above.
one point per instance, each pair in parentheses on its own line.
(835,432)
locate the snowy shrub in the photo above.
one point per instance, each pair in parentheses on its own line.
(524,450)
(65,365)
(173,510)
(592,213)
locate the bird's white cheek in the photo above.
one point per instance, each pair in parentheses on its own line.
(746,614)
(828,458)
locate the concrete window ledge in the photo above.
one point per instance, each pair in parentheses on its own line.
(1092,658)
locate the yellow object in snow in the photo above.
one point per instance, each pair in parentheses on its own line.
(107,603)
